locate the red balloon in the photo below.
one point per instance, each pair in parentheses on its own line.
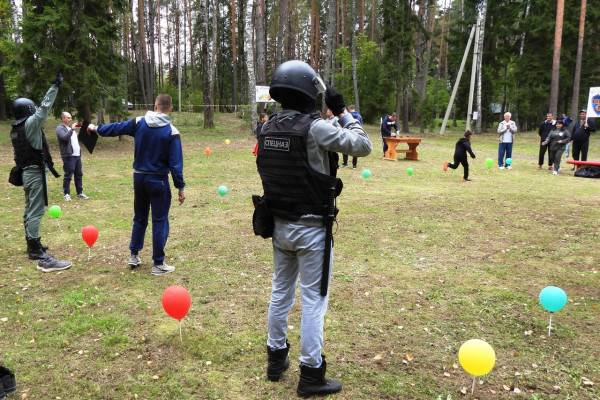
(176,301)
(89,234)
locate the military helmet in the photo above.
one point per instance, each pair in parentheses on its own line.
(297,76)
(23,108)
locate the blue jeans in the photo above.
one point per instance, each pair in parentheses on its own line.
(504,152)
(72,166)
(151,191)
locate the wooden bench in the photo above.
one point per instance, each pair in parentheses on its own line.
(392,143)
(581,164)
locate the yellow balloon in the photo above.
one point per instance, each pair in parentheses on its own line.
(227,141)
(476,357)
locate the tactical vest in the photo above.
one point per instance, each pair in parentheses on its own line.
(291,187)
(24,154)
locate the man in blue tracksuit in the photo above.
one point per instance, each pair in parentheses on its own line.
(157,152)
(387,123)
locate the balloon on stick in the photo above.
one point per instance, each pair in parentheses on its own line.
(552,299)
(489,163)
(477,358)
(227,141)
(410,171)
(207,151)
(54,211)
(366,173)
(176,302)
(509,162)
(89,234)
(222,190)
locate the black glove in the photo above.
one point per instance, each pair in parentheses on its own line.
(59,78)
(334,101)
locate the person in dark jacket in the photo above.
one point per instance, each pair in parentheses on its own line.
(70,151)
(581,136)
(157,152)
(358,118)
(32,157)
(262,119)
(557,141)
(545,128)
(389,127)
(463,146)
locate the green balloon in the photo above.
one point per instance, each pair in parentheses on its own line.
(489,163)
(54,211)
(366,173)
(410,171)
(222,190)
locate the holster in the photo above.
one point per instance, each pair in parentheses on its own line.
(16,176)
(263,222)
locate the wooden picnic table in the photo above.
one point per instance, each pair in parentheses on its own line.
(392,142)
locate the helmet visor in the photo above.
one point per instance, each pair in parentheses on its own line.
(319,84)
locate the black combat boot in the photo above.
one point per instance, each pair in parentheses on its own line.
(35,249)
(313,382)
(278,362)
(7,381)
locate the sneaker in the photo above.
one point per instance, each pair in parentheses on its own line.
(162,269)
(509,167)
(445,166)
(51,264)
(549,167)
(501,167)
(344,166)
(67,197)
(134,261)
(554,172)
(539,167)
(82,196)
(354,167)
(466,180)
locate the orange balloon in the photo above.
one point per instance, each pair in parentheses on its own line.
(207,151)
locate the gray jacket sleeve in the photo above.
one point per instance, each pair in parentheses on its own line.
(34,123)
(63,133)
(349,139)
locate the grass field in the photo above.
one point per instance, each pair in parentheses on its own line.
(422,264)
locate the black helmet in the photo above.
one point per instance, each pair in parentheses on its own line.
(297,76)
(23,108)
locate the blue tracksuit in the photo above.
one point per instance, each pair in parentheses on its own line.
(157,152)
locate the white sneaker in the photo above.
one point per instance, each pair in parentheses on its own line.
(501,167)
(162,269)
(67,197)
(134,261)
(554,172)
(509,167)
(82,196)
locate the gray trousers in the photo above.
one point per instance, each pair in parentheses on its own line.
(298,250)
(33,185)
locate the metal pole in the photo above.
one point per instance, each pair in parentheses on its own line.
(455,89)
(179,72)
(473,76)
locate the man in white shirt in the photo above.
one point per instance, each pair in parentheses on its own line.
(70,151)
(506,136)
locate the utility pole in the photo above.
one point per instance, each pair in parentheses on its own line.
(473,75)
(455,88)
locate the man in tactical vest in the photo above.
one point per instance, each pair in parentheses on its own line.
(32,157)
(297,162)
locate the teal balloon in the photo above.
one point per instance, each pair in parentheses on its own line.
(366,173)
(222,190)
(509,161)
(410,171)
(489,163)
(54,211)
(553,298)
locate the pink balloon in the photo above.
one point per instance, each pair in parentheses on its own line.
(89,234)
(176,301)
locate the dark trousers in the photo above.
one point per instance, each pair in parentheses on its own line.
(72,166)
(354,160)
(555,154)
(543,149)
(465,164)
(504,152)
(151,191)
(580,148)
(385,146)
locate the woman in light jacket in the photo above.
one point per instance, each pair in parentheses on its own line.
(506,132)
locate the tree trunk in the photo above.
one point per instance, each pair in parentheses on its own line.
(560,9)
(145,78)
(233,23)
(188,10)
(170,66)
(250,64)
(422,52)
(354,57)
(292,31)
(330,41)
(315,35)
(522,46)
(443,64)
(373,20)
(361,16)
(2,94)
(207,64)
(151,40)
(577,79)
(478,107)
(261,47)
(160,60)
(281,33)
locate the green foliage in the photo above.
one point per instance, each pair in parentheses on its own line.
(435,102)
(78,38)
(372,86)
(343,76)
